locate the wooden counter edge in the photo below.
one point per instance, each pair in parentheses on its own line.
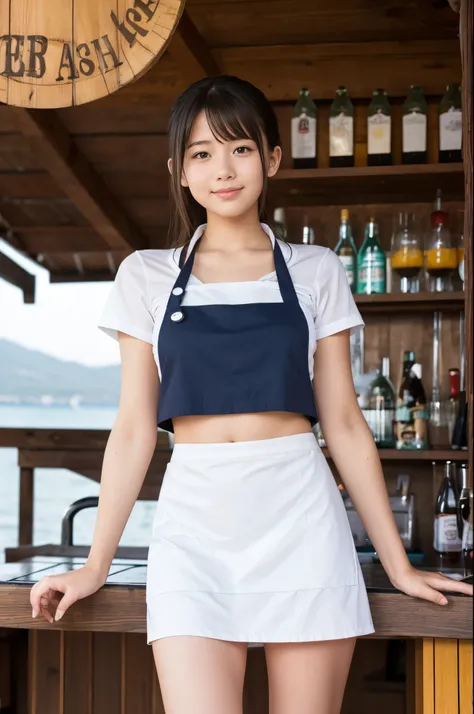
(119,608)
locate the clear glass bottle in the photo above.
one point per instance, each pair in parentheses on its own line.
(341,130)
(371,264)
(308,233)
(415,123)
(346,250)
(303,132)
(379,130)
(411,414)
(450,125)
(446,540)
(441,255)
(406,258)
(380,411)
(279,223)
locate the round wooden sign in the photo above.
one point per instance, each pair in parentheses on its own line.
(58,53)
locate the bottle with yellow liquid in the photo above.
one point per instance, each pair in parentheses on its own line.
(441,255)
(406,258)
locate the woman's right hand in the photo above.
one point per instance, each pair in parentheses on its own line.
(54,594)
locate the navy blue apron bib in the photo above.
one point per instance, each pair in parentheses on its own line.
(234,359)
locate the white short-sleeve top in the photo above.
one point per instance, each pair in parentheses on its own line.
(137,301)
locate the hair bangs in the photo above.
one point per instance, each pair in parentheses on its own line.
(230,120)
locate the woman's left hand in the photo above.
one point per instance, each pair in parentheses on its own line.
(427,585)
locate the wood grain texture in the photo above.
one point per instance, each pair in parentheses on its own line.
(123,609)
(58,53)
(467,52)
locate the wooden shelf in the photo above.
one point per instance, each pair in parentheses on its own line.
(416,302)
(367,184)
(422,455)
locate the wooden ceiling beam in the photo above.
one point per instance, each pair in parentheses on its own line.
(281,70)
(190,53)
(18,276)
(73,173)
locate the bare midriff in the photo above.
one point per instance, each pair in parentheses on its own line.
(222,428)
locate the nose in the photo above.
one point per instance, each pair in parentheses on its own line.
(225,168)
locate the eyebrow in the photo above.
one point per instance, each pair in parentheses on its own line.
(197,143)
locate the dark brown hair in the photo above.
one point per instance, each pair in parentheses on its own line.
(235,109)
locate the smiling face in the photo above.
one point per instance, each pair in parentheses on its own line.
(224,144)
(225,176)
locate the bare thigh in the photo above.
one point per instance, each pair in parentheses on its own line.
(308,677)
(200,675)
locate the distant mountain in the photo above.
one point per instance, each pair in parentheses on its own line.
(31,376)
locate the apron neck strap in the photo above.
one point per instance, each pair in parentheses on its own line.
(285,282)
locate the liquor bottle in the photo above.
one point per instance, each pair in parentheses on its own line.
(459,440)
(280,224)
(303,132)
(371,264)
(308,233)
(415,122)
(341,130)
(453,402)
(465,519)
(441,255)
(380,411)
(346,250)
(411,413)
(446,539)
(379,134)
(450,125)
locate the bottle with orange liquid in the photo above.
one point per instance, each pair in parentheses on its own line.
(441,255)
(406,255)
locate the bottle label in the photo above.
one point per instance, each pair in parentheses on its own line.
(371,273)
(450,130)
(414,132)
(446,536)
(303,137)
(348,262)
(379,133)
(410,426)
(341,136)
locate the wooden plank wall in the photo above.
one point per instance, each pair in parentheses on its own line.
(94,673)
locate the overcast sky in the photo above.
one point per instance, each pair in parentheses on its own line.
(63,320)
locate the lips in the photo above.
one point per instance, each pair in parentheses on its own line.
(227,192)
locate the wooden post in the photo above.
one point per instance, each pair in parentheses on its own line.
(25,530)
(466,32)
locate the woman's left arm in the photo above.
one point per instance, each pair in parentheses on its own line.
(355,455)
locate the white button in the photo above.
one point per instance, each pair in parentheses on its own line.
(177,316)
(177,291)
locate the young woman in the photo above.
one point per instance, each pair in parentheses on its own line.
(238,343)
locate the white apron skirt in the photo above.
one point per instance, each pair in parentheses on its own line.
(251,543)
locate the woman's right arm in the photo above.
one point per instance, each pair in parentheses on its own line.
(127,456)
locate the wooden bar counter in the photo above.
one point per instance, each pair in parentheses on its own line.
(96,660)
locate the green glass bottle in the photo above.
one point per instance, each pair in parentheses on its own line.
(415,122)
(346,250)
(380,411)
(379,130)
(450,125)
(371,263)
(341,130)
(303,132)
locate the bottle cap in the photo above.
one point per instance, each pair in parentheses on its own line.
(344,214)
